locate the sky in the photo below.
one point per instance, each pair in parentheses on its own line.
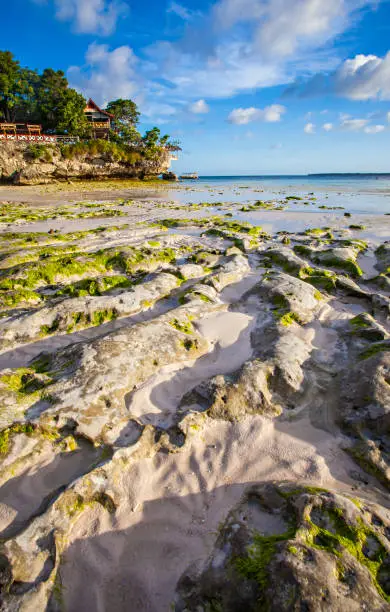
(247,86)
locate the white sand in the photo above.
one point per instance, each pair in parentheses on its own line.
(157,400)
(175,503)
(172,504)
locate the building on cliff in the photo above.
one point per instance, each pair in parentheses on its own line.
(100,120)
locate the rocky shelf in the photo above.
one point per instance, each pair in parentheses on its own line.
(194,412)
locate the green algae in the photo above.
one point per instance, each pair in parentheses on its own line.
(98,317)
(54,269)
(189,344)
(289,318)
(375,349)
(28,429)
(46,330)
(255,565)
(359,322)
(301,249)
(12,298)
(349,265)
(95,286)
(324,279)
(345,536)
(316,231)
(182,326)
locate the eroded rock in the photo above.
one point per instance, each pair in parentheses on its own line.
(286,547)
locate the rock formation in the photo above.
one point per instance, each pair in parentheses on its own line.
(17,165)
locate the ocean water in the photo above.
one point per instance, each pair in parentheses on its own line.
(350,193)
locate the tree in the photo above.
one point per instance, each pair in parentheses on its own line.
(51,97)
(71,117)
(16,88)
(127,135)
(151,138)
(125,112)
(61,108)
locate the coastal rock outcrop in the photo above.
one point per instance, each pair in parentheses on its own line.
(18,167)
(285,547)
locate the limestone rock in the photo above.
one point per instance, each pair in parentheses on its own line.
(16,165)
(286,547)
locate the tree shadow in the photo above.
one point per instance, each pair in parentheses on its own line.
(137,568)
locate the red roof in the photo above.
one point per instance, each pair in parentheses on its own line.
(92,104)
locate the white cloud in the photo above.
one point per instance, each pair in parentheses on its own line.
(269,114)
(243,45)
(353,125)
(107,74)
(181,11)
(364,77)
(91,16)
(309,128)
(388,117)
(199,108)
(239,45)
(374,129)
(328,127)
(281,27)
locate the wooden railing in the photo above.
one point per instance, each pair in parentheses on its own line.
(38,138)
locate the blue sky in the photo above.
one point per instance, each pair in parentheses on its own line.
(247,86)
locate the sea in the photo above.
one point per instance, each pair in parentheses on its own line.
(354,193)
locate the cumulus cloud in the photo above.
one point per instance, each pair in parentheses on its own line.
(309,128)
(199,108)
(281,27)
(353,125)
(239,45)
(328,127)
(106,74)
(364,77)
(243,45)
(269,114)
(91,16)
(374,129)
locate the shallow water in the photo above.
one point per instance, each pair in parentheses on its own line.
(355,195)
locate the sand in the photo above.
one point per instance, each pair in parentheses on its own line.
(173,503)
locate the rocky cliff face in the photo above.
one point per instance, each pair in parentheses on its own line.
(18,166)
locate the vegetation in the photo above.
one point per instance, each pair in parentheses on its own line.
(374,349)
(182,326)
(27,96)
(344,536)
(339,536)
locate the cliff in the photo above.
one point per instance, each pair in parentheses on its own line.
(22,164)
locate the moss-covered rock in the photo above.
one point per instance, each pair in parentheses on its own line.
(286,547)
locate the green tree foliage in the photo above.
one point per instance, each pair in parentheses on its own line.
(71,116)
(61,108)
(125,112)
(126,117)
(153,141)
(27,96)
(16,88)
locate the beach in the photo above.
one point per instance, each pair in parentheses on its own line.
(165,347)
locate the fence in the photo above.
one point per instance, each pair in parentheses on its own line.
(41,139)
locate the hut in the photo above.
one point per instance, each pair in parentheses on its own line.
(100,120)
